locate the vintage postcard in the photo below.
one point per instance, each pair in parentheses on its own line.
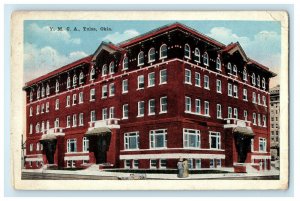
(149,100)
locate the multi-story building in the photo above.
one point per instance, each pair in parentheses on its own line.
(275,123)
(144,103)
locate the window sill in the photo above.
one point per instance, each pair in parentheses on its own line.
(111,96)
(92,100)
(124,118)
(188,83)
(151,114)
(245,100)
(198,86)
(163,83)
(138,89)
(124,92)
(140,116)
(150,86)
(206,88)
(104,97)
(219,92)
(163,57)
(164,112)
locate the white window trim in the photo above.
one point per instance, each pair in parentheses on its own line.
(139,114)
(123,86)
(127,136)
(190,77)
(139,55)
(197,55)
(149,84)
(160,77)
(206,87)
(153,132)
(199,78)
(160,105)
(185,131)
(123,111)
(220,92)
(151,113)
(150,61)
(205,55)
(189,51)
(160,51)
(219,141)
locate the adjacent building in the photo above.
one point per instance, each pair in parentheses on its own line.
(144,103)
(275,121)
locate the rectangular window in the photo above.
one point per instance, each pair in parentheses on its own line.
(245,95)
(124,86)
(42,108)
(74,120)
(31,147)
(219,86)
(127,164)
(111,112)
(85,144)
(151,79)
(153,164)
(158,138)
(104,91)
(198,164)
(258,99)
(188,106)
(206,108)
(206,82)
(163,76)
(68,121)
(135,164)
(141,108)
(47,107)
(92,95)
(187,76)
(198,106)
(219,111)
(264,101)
(37,109)
(253,97)
(235,113)
(219,162)
(229,89)
(104,113)
(262,145)
(254,119)
(190,163)
(141,82)
(215,140)
(258,120)
(93,115)
(229,114)
(125,111)
(80,97)
(57,103)
(112,89)
(191,138)
(163,104)
(246,115)
(56,123)
(30,129)
(81,119)
(68,101)
(131,140)
(264,121)
(235,91)
(162,163)
(71,145)
(197,80)
(151,107)
(74,99)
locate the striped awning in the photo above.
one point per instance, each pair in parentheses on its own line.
(243,130)
(98,131)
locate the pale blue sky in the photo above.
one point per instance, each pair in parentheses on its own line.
(46,50)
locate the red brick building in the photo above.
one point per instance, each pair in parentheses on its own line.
(144,103)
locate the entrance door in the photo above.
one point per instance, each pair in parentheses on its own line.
(102,146)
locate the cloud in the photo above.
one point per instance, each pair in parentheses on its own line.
(119,37)
(44,33)
(39,61)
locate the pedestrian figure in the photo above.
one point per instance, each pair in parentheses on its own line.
(180,168)
(185,168)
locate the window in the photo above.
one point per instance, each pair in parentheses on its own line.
(31,147)
(43,127)
(229,68)
(57,86)
(229,89)
(42,108)
(191,138)
(47,90)
(151,55)
(30,129)
(246,115)
(135,164)
(188,106)
(141,82)
(112,67)
(235,91)
(81,78)
(214,140)
(57,104)
(258,120)
(85,144)
(163,76)
(131,140)
(125,111)
(206,108)
(111,112)
(104,70)
(74,99)
(104,113)
(151,79)
(263,83)
(127,164)
(262,145)
(218,64)
(74,120)
(104,91)
(68,82)
(81,97)
(141,58)
(162,163)
(206,82)
(68,121)
(31,96)
(71,145)
(245,75)
(187,76)
(219,86)
(125,86)
(141,108)
(198,106)
(197,55)
(258,99)
(158,138)
(205,59)
(258,81)
(48,125)
(112,89)
(43,91)
(253,97)
(234,69)
(197,80)
(229,114)
(68,101)
(125,63)
(38,93)
(163,104)
(92,74)
(219,111)
(245,95)
(47,107)
(151,107)
(254,118)
(235,113)
(219,163)
(153,164)
(81,119)
(74,80)
(37,109)
(163,51)
(56,123)
(264,121)
(198,163)
(253,79)
(93,115)
(187,51)
(30,111)
(37,128)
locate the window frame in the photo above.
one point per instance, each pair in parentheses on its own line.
(187,51)
(217,135)
(206,82)
(161,51)
(150,79)
(163,79)
(205,59)
(141,110)
(141,58)
(186,138)
(151,106)
(218,64)
(152,139)
(151,53)
(197,55)
(163,106)
(187,77)
(128,142)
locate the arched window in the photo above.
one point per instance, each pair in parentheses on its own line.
(74,80)
(245,75)
(92,74)
(57,86)
(163,52)
(38,93)
(218,64)
(125,63)
(112,67)
(205,59)
(104,70)
(68,82)
(151,55)
(43,126)
(81,78)
(31,96)
(263,83)
(141,58)
(47,90)
(229,68)
(187,51)
(234,70)
(258,80)
(253,78)
(197,55)
(37,128)
(43,91)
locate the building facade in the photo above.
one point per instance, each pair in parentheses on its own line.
(275,121)
(144,103)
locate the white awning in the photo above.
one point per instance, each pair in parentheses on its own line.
(98,131)
(243,130)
